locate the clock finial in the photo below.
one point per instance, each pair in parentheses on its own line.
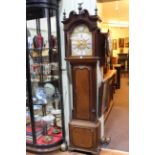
(80,7)
(96,11)
(64,13)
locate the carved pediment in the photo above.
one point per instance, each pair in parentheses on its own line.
(82,16)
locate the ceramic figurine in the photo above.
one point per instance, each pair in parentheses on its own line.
(38,41)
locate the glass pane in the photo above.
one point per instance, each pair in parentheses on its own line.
(44,31)
(29,138)
(56,111)
(54,40)
(31,32)
(54,31)
(44,71)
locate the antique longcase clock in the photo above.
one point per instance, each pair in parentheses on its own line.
(82,53)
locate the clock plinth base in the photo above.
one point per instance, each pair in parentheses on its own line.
(75,149)
(85,136)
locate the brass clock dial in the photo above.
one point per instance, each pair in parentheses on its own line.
(81,41)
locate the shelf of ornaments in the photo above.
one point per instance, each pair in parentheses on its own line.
(42,49)
(44,53)
(52,107)
(46,65)
(51,122)
(40,139)
(55,117)
(52,80)
(45,60)
(52,72)
(53,132)
(45,68)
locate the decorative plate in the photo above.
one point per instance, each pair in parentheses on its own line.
(49,89)
(40,93)
(56,111)
(48,119)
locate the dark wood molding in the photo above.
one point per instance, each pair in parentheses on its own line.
(83,60)
(83,17)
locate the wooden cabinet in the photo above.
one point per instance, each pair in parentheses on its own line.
(123,59)
(109,90)
(118,81)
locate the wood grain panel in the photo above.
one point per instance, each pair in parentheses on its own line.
(84,134)
(82,137)
(81,91)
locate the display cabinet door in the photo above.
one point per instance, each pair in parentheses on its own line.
(83,93)
(44,126)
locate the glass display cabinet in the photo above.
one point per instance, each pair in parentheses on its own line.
(44,107)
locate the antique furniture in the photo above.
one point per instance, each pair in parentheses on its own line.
(44,106)
(109,81)
(84,56)
(123,59)
(121,42)
(114,60)
(118,75)
(106,50)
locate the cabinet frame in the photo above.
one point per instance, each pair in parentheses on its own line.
(48,6)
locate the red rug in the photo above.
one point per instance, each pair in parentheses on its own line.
(40,140)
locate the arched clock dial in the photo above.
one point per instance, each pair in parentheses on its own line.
(81,41)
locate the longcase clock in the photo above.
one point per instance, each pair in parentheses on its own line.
(82,53)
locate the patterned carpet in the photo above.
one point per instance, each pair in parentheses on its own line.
(117,124)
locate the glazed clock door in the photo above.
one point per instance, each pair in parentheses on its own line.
(81,41)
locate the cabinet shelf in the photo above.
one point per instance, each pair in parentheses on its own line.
(42,49)
(50,81)
(39,104)
(38,49)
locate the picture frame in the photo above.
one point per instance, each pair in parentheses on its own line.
(126,42)
(121,42)
(114,44)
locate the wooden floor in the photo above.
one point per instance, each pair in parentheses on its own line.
(103,152)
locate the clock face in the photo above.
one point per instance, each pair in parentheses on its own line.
(81,41)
